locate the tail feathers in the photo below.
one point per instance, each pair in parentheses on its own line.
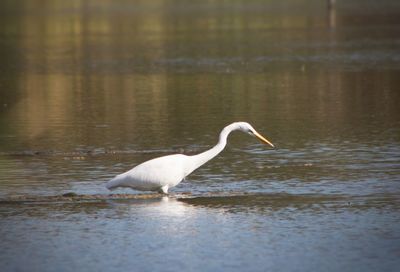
(113,184)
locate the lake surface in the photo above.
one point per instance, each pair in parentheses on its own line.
(89,89)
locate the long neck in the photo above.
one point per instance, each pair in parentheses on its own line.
(198,160)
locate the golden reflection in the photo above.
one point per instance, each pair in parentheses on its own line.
(45,106)
(136,67)
(63,43)
(53,105)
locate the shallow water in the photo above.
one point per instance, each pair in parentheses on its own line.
(90,89)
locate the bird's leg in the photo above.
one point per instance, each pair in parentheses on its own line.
(164,190)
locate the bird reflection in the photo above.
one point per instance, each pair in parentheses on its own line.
(164,206)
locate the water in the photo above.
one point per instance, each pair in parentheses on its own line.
(90,89)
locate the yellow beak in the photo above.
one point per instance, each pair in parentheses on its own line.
(259,136)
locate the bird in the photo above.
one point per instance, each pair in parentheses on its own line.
(163,173)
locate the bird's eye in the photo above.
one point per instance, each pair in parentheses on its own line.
(249,131)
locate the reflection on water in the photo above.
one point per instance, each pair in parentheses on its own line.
(89,89)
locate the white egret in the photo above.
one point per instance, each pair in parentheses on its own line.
(165,172)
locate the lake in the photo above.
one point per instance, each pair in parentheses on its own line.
(89,89)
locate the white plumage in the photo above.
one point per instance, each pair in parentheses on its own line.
(162,173)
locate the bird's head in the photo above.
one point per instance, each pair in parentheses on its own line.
(247,128)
